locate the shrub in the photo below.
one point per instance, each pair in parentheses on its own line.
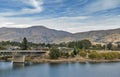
(64,54)
(111,55)
(94,55)
(83,54)
(54,53)
(72,54)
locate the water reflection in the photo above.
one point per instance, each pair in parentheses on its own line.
(18,65)
(5,65)
(65,69)
(11,65)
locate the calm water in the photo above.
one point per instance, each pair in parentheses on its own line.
(7,69)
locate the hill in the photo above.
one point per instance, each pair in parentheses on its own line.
(34,34)
(41,34)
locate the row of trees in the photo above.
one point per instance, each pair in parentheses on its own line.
(108,46)
(79,48)
(56,53)
(24,45)
(86,44)
(83,44)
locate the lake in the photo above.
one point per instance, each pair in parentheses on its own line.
(8,69)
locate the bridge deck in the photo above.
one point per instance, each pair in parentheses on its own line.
(23,51)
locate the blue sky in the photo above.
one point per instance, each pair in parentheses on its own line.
(69,15)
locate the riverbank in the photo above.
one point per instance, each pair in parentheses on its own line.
(60,60)
(43,60)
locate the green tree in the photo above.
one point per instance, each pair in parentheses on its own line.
(54,53)
(64,54)
(86,44)
(109,46)
(67,55)
(75,51)
(24,45)
(118,45)
(104,47)
(80,44)
(72,44)
(2,47)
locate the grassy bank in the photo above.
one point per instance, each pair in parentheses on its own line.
(82,56)
(37,60)
(92,56)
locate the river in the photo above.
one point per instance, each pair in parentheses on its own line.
(8,69)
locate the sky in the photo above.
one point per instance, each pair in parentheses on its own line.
(68,15)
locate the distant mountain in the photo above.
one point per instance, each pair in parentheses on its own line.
(102,36)
(41,34)
(37,34)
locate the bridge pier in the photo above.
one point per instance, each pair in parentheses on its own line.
(18,59)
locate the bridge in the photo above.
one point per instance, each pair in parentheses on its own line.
(18,56)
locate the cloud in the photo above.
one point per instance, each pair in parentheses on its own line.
(102,5)
(62,15)
(62,7)
(70,24)
(35,4)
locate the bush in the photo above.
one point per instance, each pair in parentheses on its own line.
(72,54)
(83,54)
(54,53)
(94,55)
(2,47)
(64,54)
(111,55)
(106,56)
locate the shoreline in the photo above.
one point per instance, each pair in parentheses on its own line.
(61,60)
(72,60)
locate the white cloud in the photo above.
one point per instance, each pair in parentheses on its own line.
(71,24)
(36,4)
(101,5)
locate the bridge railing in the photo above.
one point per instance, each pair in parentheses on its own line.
(22,51)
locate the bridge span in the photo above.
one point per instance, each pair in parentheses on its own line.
(18,56)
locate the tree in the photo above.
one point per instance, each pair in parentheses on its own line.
(104,47)
(83,44)
(67,55)
(86,44)
(48,45)
(2,47)
(75,51)
(54,53)
(72,44)
(24,45)
(109,46)
(118,46)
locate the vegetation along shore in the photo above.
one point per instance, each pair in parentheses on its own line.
(75,51)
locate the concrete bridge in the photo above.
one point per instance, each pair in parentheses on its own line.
(18,56)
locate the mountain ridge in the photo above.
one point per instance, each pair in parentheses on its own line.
(42,34)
